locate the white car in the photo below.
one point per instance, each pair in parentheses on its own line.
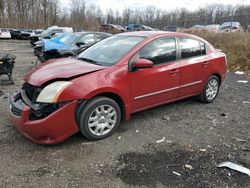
(212,28)
(4,34)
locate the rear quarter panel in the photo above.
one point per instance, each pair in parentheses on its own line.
(218,64)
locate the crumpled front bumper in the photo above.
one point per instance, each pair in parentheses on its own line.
(53,129)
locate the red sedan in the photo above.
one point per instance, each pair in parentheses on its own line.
(121,75)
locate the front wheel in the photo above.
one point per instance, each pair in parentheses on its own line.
(211,90)
(99,118)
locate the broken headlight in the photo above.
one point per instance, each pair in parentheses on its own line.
(51,92)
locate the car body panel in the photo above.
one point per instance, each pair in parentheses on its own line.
(4,34)
(54,45)
(59,69)
(138,90)
(51,130)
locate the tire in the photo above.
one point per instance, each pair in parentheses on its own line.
(99,118)
(210,90)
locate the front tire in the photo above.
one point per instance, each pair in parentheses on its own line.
(99,118)
(210,90)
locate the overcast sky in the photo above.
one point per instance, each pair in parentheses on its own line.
(163,4)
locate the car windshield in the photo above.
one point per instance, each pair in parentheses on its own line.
(69,38)
(46,32)
(110,50)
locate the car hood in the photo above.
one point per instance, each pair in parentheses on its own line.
(54,44)
(56,69)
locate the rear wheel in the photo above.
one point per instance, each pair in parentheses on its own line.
(99,118)
(210,90)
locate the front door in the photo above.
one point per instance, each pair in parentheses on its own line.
(154,86)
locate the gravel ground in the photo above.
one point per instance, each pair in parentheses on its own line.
(197,138)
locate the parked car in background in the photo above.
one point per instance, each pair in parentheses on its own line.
(15,33)
(4,34)
(50,33)
(69,43)
(109,81)
(198,27)
(111,28)
(138,27)
(231,27)
(21,34)
(212,28)
(170,28)
(26,34)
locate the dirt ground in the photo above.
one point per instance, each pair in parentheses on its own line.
(197,138)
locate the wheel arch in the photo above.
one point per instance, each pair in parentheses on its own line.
(218,76)
(114,96)
(117,99)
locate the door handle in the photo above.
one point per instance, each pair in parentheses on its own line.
(205,64)
(174,71)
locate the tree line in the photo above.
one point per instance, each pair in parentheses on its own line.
(88,16)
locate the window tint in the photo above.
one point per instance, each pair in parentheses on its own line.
(191,48)
(159,51)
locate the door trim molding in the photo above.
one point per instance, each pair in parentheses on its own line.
(167,90)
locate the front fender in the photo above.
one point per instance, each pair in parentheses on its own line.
(115,80)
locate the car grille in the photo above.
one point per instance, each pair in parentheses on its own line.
(17,108)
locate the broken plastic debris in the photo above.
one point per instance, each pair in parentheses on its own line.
(161,140)
(137,131)
(240,140)
(203,150)
(166,118)
(242,81)
(246,102)
(189,167)
(234,166)
(224,114)
(239,72)
(176,173)
(119,137)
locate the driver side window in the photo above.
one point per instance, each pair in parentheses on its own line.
(159,51)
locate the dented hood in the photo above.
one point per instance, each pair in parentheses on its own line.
(59,69)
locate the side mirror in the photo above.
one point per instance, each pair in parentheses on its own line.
(142,64)
(79,44)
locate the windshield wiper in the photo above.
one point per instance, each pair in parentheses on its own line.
(89,60)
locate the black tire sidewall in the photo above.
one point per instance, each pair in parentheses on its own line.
(86,111)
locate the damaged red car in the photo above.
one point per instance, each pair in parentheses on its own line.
(121,75)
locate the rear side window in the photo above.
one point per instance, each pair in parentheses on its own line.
(159,51)
(191,48)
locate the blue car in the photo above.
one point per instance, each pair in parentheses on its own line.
(68,44)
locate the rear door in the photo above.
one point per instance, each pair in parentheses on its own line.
(194,66)
(154,86)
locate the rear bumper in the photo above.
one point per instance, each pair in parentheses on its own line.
(52,129)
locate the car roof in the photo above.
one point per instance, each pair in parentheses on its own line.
(152,34)
(148,34)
